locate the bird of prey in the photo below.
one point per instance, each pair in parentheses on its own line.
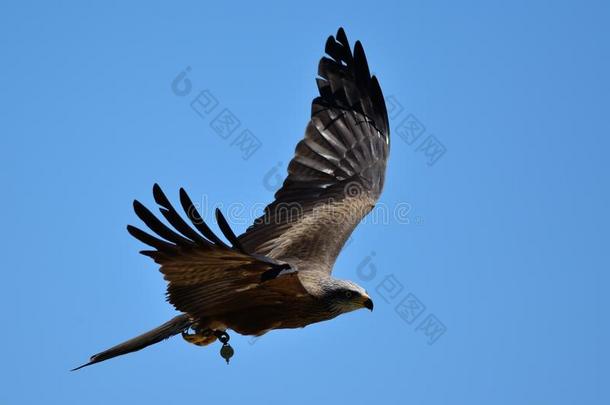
(278,273)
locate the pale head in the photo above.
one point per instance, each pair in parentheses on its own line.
(345,296)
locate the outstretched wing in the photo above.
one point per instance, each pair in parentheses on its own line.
(205,275)
(338,170)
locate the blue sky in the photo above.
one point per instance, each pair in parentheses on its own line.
(503,240)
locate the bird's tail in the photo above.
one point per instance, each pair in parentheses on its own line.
(168,329)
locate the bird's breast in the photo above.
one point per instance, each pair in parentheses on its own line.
(259,320)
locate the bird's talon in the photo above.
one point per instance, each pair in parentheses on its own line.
(199,338)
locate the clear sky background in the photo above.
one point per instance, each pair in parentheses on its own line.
(503,241)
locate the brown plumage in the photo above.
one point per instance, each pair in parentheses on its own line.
(278,273)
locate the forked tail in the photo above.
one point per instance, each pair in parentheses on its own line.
(165,331)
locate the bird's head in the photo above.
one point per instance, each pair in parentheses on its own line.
(345,296)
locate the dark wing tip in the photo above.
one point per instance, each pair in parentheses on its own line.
(196,218)
(226,230)
(160,197)
(91,362)
(379,100)
(346,82)
(185,200)
(341,37)
(132,230)
(361,65)
(158,193)
(138,206)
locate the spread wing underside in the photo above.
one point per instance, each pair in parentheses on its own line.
(337,172)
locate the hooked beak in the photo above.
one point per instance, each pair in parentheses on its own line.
(368,303)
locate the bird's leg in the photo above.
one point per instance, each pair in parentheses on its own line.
(226,351)
(199,337)
(221,335)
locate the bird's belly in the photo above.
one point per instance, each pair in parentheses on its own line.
(259,320)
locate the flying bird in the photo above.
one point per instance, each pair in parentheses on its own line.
(278,273)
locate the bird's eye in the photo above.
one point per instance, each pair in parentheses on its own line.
(348,294)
